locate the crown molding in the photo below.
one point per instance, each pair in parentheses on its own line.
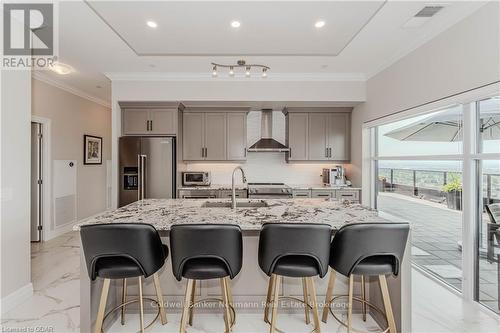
(161,76)
(68,88)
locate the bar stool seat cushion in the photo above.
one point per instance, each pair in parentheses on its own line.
(375,265)
(117,268)
(297,266)
(205,268)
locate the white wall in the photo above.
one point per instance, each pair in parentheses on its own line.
(71,117)
(464,57)
(213,90)
(265,167)
(15,187)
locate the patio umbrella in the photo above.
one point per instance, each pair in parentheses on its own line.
(446,127)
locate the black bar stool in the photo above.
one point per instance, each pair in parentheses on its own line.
(298,251)
(366,249)
(121,251)
(202,252)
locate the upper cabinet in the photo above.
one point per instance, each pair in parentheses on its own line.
(214,136)
(318,136)
(144,121)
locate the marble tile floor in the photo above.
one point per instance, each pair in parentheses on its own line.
(55,303)
(55,273)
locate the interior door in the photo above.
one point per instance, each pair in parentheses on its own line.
(317,137)
(36,182)
(192,136)
(158,167)
(215,136)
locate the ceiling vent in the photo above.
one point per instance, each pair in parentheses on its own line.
(429,11)
(423,15)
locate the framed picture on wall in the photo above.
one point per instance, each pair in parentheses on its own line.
(92,149)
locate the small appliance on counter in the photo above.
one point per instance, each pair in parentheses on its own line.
(334,176)
(196,178)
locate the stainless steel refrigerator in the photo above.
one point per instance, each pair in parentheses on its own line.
(147,168)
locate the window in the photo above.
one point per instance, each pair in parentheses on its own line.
(489,125)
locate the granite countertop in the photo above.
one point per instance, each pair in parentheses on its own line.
(163,213)
(214,187)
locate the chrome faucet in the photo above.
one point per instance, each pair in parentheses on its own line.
(233,195)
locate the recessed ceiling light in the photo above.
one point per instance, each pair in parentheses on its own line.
(152,24)
(235,24)
(61,69)
(319,24)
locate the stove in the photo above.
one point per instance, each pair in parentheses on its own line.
(269,191)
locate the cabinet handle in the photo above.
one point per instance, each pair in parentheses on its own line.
(290,153)
(202,152)
(206,152)
(150,125)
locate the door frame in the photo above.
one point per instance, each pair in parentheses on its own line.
(46,176)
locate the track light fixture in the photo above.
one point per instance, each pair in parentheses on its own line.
(239,64)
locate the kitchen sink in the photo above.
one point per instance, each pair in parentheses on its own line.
(239,204)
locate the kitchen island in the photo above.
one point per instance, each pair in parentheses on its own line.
(250,286)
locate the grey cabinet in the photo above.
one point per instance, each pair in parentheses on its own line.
(193,136)
(135,121)
(297,136)
(318,144)
(236,136)
(214,136)
(149,121)
(350,195)
(301,193)
(229,194)
(210,193)
(322,194)
(338,126)
(318,136)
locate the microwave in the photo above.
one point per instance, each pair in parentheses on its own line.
(196,178)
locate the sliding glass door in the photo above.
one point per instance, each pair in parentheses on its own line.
(440,171)
(488,250)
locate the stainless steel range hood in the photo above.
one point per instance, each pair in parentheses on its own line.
(266,142)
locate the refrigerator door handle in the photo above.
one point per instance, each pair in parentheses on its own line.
(139,178)
(143,175)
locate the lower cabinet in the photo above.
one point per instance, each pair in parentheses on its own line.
(322,193)
(210,193)
(301,193)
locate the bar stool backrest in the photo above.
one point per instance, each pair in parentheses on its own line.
(279,240)
(358,241)
(216,241)
(138,242)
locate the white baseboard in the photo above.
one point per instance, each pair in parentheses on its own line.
(16,298)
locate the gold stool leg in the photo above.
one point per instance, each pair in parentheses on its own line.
(387,304)
(141,305)
(306,300)
(187,304)
(230,297)
(102,306)
(276,291)
(225,298)
(269,296)
(124,299)
(191,309)
(329,294)
(159,297)
(349,306)
(314,304)
(363,296)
